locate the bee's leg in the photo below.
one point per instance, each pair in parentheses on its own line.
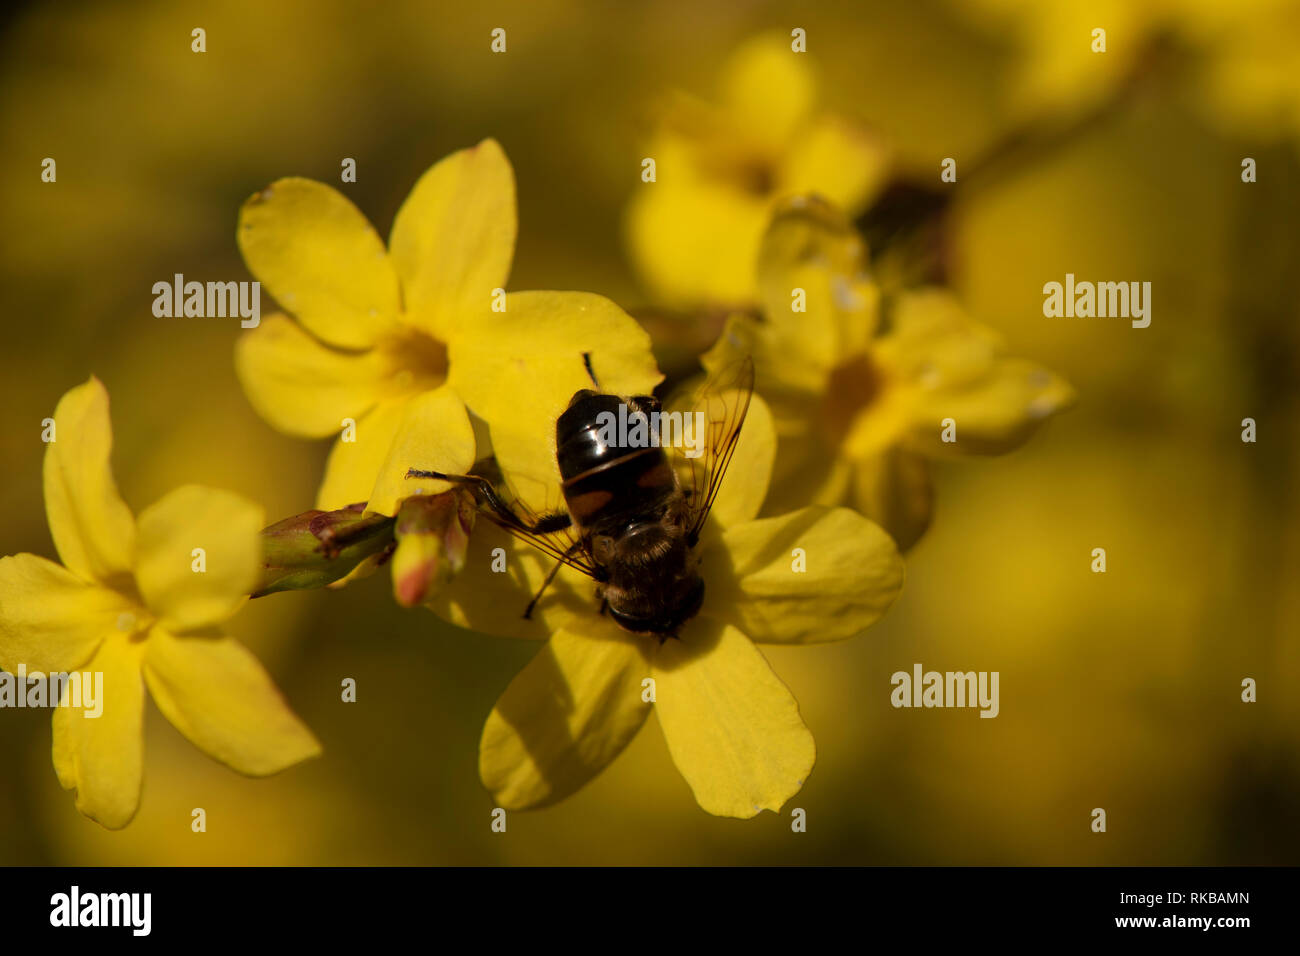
(591,373)
(528,611)
(487,495)
(647,403)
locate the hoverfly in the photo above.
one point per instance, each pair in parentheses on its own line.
(633,511)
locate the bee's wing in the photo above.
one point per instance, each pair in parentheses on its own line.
(544,532)
(552,532)
(724,400)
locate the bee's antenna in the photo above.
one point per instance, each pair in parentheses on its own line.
(591,374)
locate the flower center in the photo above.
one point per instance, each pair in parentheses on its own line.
(853,387)
(417,361)
(134,625)
(755,176)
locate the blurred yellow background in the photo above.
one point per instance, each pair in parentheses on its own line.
(1119,691)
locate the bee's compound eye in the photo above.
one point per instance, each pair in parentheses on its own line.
(580,394)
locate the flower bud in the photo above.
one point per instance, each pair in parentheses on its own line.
(432,534)
(316,548)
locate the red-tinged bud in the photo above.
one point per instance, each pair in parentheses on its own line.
(432,534)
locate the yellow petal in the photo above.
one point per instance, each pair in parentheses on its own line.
(994,415)
(836,159)
(217,694)
(50,619)
(818,574)
(768,88)
(566,715)
(434,435)
(791,388)
(102,757)
(812,474)
(944,365)
(322,260)
(354,466)
(733,729)
(198,555)
(809,469)
(870,428)
(894,490)
(934,344)
(810,246)
(519,370)
(91,524)
(501,576)
(301,386)
(695,241)
(454,237)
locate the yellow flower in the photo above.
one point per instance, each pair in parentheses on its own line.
(1240,57)
(130,602)
(1054,65)
(861,403)
(391,344)
(694,232)
(733,728)
(1250,86)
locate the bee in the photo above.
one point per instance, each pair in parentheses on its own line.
(634,509)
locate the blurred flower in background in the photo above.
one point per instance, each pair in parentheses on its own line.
(862,399)
(1239,58)
(694,232)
